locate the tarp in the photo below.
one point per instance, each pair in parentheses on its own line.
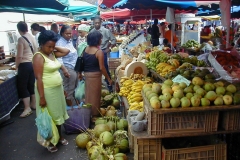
(54,4)
(137,15)
(161,4)
(75,7)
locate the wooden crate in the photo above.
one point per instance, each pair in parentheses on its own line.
(130,140)
(214,151)
(169,122)
(231,120)
(147,149)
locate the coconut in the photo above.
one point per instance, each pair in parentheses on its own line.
(100,121)
(122,124)
(108,98)
(110,113)
(123,145)
(120,156)
(100,128)
(89,145)
(82,140)
(102,111)
(116,102)
(104,92)
(93,153)
(111,125)
(106,138)
(120,132)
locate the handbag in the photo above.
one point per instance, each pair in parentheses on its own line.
(79,118)
(79,66)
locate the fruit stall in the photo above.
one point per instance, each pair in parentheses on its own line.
(180,106)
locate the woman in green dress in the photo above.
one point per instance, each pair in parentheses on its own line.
(48,85)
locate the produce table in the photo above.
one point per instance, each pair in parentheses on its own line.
(8,97)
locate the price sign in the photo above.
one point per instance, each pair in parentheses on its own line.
(180,79)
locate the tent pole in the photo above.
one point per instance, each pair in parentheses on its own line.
(23,16)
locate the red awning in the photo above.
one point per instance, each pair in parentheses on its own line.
(141,14)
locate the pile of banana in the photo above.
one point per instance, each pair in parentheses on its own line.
(164,68)
(174,62)
(135,99)
(126,84)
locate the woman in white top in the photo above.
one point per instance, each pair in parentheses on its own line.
(25,79)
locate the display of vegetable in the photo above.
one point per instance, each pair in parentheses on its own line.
(191,44)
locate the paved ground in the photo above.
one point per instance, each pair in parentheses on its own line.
(18,142)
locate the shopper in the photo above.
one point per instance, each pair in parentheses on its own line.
(55,29)
(155,33)
(74,36)
(162,29)
(68,63)
(108,42)
(42,28)
(83,30)
(49,88)
(168,35)
(94,68)
(35,28)
(25,75)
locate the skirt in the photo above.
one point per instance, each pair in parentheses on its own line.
(93,85)
(56,104)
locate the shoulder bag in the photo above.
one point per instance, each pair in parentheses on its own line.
(79,66)
(29,43)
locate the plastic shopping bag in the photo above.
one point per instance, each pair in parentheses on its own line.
(44,126)
(80,90)
(54,132)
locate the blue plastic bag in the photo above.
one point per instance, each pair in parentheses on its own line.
(80,90)
(44,124)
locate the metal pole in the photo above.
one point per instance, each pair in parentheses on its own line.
(23,16)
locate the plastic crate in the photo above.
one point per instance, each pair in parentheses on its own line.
(147,149)
(169,124)
(130,140)
(214,151)
(231,120)
(114,54)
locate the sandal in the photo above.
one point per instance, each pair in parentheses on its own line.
(63,141)
(52,149)
(24,114)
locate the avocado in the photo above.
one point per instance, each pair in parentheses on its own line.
(209,76)
(236,99)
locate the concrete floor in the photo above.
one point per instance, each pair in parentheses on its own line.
(19,142)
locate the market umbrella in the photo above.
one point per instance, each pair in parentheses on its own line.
(74,7)
(54,4)
(108,3)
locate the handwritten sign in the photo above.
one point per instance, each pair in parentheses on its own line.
(180,79)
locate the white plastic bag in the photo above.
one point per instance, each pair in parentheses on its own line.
(80,90)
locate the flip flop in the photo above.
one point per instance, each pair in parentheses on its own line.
(52,149)
(63,141)
(26,115)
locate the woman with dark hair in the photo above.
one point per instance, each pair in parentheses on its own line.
(93,58)
(68,63)
(25,77)
(48,87)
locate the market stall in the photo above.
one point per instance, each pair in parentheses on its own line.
(8,89)
(179,97)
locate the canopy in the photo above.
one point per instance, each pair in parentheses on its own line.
(75,7)
(160,4)
(54,4)
(137,15)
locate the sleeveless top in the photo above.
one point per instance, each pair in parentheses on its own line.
(91,63)
(51,76)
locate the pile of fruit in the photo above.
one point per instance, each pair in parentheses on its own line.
(107,141)
(155,57)
(109,99)
(198,93)
(132,90)
(190,73)
(191,44)
(229,62)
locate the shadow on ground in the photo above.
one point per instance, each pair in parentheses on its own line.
(19,142)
